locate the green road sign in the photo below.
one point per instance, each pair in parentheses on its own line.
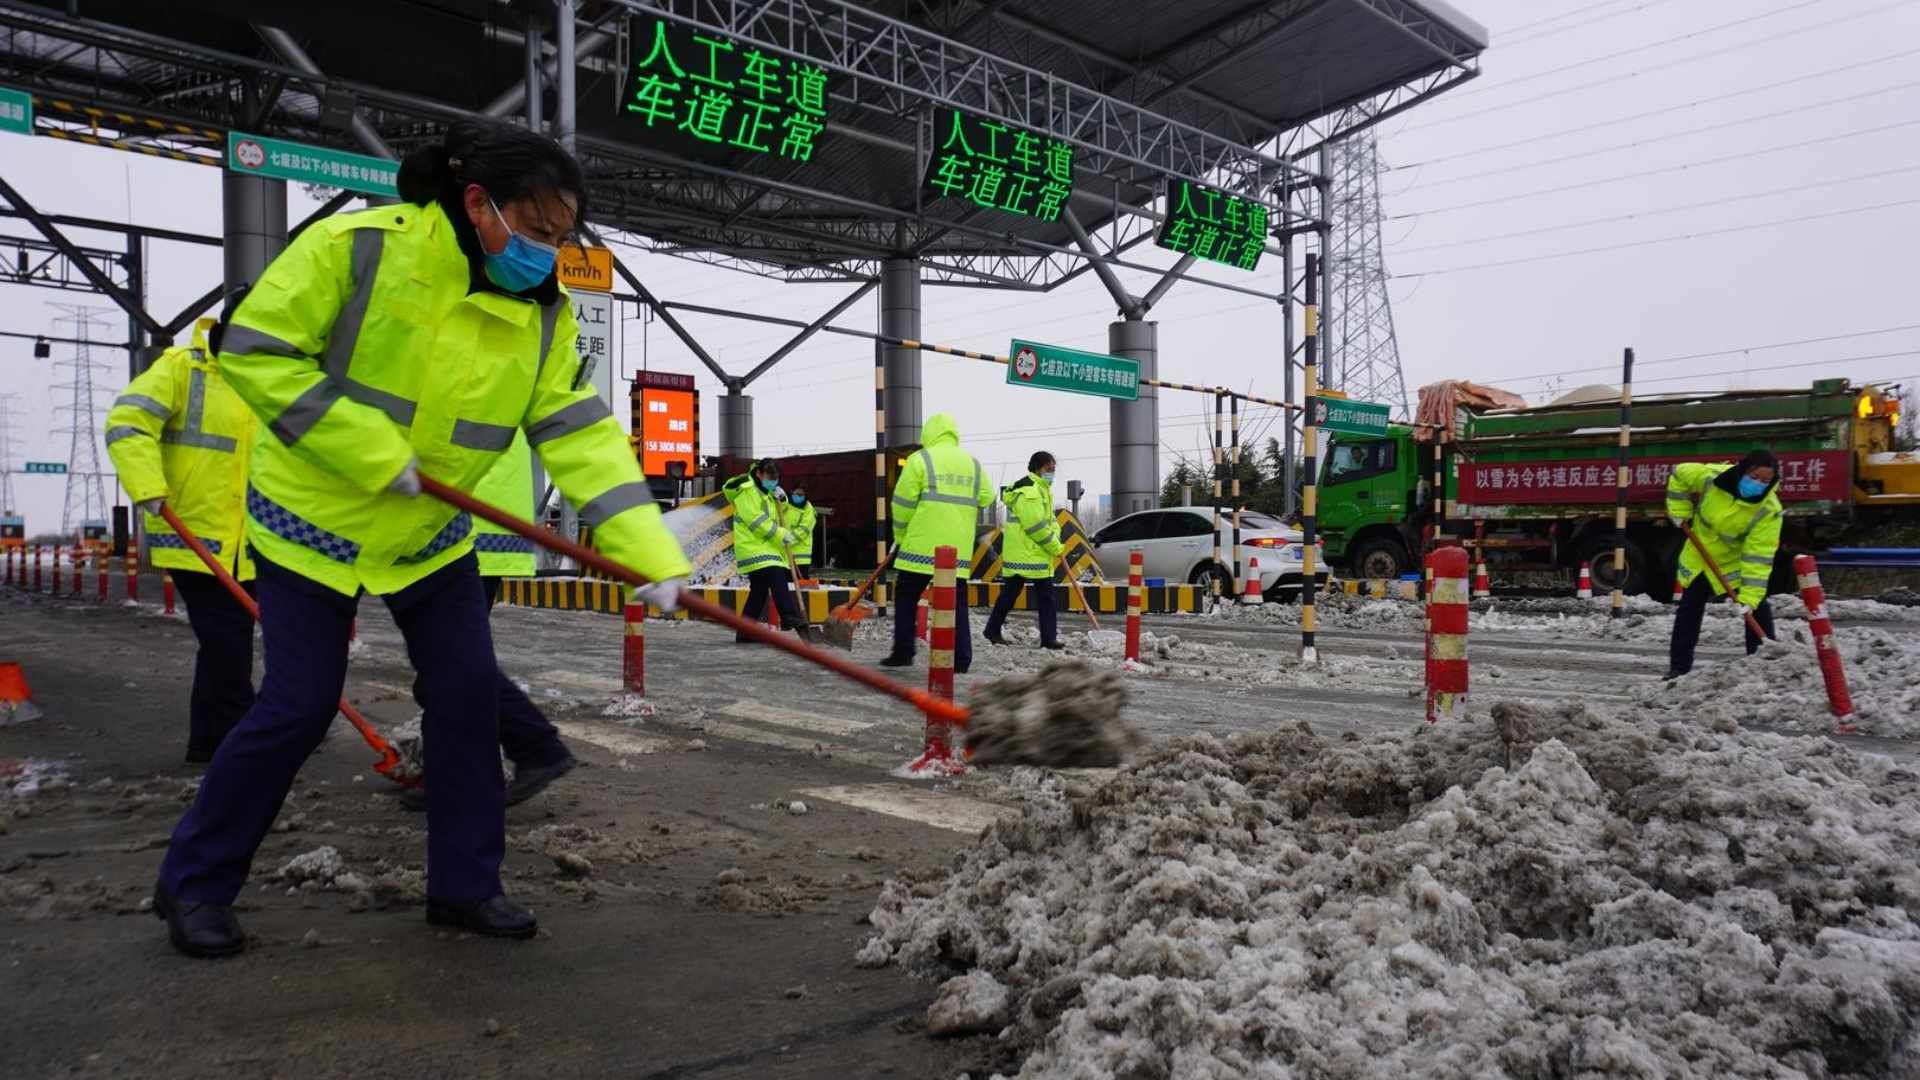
(16,111)
(1051,367)
(283,160)
(1210,224)
(710,96)
(998,166)
(1348,417)
(55,468)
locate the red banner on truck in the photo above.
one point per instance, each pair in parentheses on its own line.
(1806,475)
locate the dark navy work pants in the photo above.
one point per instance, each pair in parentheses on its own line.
(907,589)
(1041,589)
(444,621)
(223,665)
(526,736)
(1689,613)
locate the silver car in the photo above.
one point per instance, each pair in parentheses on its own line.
(1175,544)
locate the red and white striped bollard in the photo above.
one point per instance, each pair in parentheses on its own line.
(166,593)
(131,564)
(1585,591)
(1446,631)
(633,649)
(939,757)
(36,568)
(100,571)
(1136,601)
(1832,671)
(58,554)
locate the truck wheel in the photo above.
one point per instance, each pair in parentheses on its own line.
(1598,555)
(1380,557)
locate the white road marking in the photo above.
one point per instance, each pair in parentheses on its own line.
(615,740)
(577,680)
(794,718)
(955,813)
(798,743)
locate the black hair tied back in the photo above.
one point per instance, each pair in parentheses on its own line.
(509,162)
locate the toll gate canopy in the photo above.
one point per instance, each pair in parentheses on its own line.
(995,142)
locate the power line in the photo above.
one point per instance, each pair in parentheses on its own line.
(1722,125)
(1681,167)
(1702,234)
(1821,184)
(1780,367)
(1676,62)
(1843,69)
(1508,42)
(1740,350)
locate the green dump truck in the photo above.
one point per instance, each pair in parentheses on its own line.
(1533,488)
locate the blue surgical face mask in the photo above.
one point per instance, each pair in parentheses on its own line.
(798,500)
(1751,488)
(523,263)
(1047,476)
(768,485)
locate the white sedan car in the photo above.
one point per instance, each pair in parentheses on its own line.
(1175,544)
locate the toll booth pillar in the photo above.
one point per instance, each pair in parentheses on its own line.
(253,225)
(900,318)
(1135,425)
(736,423)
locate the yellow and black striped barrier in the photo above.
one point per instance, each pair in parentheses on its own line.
(1381,589)
(609,597)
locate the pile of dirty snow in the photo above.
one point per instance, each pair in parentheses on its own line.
(1067,714)
(1781,688)
(1538,893)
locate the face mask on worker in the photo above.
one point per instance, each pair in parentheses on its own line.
(767,484)
(798,498)
(523,263)
(1751,488)
(1047,475)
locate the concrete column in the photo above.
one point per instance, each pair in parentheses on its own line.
(900,317)
(736,423)
(1135,425)
(563,117)
(253,225)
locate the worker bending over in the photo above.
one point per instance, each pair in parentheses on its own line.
(1734,511)
(1029,546)
(380,345)
(760,547)
(936,503)
(179,436)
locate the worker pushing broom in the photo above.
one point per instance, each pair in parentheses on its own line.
(394,353)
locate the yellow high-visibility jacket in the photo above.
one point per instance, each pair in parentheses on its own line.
(802,520)
(509,486)
(756,525)
(181,434)
(1031,541)
(938,499)
(1741,536)
(366,344)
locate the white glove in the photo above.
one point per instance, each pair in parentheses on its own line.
(150,506)
(408,482)
(780,493)
(664,595)
(789,537)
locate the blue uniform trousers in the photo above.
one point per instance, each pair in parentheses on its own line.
(223,666)
(907,589)
(1042,591)
(306,626)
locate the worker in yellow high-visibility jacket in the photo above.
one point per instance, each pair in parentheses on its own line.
(180,436)
(1734,511)
(936,503)
(381,345)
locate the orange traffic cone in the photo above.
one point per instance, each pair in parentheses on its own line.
(16,699)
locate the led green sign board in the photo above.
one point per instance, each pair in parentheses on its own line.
(16,111)
(1210,224)
(707,95)
(998,166)
(283,160)
(50,468)
(1050,367)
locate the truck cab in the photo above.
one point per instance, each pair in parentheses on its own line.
(1371,502)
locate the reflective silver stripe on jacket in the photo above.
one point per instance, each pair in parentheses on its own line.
(549,318)
(617,500)
(192,433)
(1039,530)
(241,339)
(142,401)
(397,408)
(933,492)
(568,419)
(367,246)
(123,431)
(298,418)
(475,435)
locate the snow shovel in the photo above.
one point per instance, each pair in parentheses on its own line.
(1083,721)
(1752,623)
(1096,637)
(844,619)
(390,764)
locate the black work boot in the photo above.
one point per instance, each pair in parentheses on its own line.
(897,660)
(202,930)
(1053,645)
(497,917)
(529,781)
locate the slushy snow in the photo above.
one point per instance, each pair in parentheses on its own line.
(1536,893)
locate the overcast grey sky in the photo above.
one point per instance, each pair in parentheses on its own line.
(1710,179)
